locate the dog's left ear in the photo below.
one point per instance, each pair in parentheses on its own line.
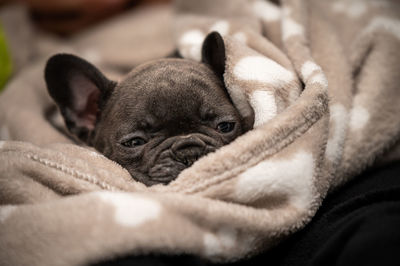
(213,53)
(80,90)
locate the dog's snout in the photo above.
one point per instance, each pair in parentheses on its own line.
(187,142)
(188,149)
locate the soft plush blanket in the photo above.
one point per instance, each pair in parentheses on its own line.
(321,79)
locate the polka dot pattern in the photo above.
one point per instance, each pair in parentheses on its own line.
(131,210)
(221,26)
(191,42)
(222,241)
(267,11)
(308,136)
(264,105)
(291,28)
(353,9)
(386,24)
(262,69)
(292,177)
(359,117)
(6,212)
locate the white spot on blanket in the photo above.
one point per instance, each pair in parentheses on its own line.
(267,11)
(223,240)
(239,98)
(195,53)
(311,70)
(262,69)
(212,245)
(2,144)
(308,68)
(221,26)
(227,236)
(339,117)
(4,133)
(351,9)
(95,154)
(320,79)
(389,25)
(240,36)
(264,106)
(290,27)
(131,210)
(192,37)
(292,177)
(359,117)
(5,212)
(193,41)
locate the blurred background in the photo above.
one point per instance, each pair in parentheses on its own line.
(114,35)
(66,17)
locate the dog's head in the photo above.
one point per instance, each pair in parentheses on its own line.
(157,121)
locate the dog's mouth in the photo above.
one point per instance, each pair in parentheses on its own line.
(165,168)
(170,163)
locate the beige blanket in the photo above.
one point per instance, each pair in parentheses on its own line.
(321,78)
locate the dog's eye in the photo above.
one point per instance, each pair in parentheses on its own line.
(225,127)
(134,142)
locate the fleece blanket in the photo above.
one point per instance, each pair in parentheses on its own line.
(321,80)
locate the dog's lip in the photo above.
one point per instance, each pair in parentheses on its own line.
(143,178)
(150,181)
(165,179)
(164,171)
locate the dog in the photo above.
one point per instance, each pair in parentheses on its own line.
(159,120)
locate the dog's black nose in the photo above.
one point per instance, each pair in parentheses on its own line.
(187,142)
(188,149)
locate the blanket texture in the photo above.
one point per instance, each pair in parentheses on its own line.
(321,79)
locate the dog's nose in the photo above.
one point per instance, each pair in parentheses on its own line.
(187,142)
(188,149)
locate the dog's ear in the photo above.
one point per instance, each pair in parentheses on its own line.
(213,53)
(80,90)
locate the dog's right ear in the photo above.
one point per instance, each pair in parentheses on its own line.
(80,90)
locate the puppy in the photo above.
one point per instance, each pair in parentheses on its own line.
(156,122)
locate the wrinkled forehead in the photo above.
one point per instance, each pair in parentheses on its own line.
(169,73)
(171,78)
(169,86)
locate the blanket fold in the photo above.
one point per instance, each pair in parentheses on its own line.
(318,78)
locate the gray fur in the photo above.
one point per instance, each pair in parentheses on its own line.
(175,105)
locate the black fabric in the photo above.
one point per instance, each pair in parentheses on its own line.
(359,224)
(154,260)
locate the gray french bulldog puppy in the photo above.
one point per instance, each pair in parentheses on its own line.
(156,122)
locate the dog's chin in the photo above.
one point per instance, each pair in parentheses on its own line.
(169,165)
(161,173)
(165,171)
